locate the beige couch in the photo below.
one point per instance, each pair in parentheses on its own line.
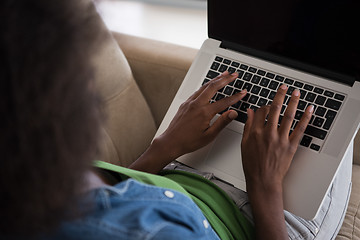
(138,79)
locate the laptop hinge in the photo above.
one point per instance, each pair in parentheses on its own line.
(338,77)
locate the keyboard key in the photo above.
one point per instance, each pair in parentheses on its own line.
(255,89)
(315,132)
(318,90)
(339,97)
(231,70)
(273,85)
(290,90)
(264,82)
(289,81)
(279,78)
(310,97)
(253,99)
(247,86)
(244,106)
(261,72)
(298,84)
(302,94)
(256,79)
(262,102)
(330,116)
(301,105)
(318,122)
(235,64)
(241,73)
(270,75)
(212,74)
(320,100)
(206,80)
(228,90)
(243,67)
(264,92)
(328,93)
(308,87)
(247,76)
(306,140)
(272,95)
(215,66)
(238,84)
(333,104)
(252,69)
(315,147)
(320,111)
(223,68)
(227,61)
(219,59)
(242,117)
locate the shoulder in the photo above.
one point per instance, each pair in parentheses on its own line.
(132,210)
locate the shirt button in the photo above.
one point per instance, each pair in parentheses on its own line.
(316,230)
(169,194)
(206,223)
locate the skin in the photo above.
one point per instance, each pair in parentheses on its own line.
(267,150)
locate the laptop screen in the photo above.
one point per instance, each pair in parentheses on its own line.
(320,34)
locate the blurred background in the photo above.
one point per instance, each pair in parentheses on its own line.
(182,22)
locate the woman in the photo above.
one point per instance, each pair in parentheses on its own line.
(51,123)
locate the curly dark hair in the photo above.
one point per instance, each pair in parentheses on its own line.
(50,112)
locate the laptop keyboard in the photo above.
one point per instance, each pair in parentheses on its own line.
(262,86)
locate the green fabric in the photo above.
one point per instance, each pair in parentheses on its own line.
(221,212)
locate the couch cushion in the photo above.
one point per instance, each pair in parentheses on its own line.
(129,125)
(351,226)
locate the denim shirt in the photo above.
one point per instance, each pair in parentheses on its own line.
(132,210)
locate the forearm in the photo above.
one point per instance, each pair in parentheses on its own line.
(268,212)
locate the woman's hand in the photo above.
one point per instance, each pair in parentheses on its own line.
(191,129)
(267,152)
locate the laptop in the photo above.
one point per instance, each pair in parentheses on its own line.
(309,45)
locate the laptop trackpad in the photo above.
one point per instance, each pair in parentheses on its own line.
(225,155)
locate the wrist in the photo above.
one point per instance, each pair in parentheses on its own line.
(261,188)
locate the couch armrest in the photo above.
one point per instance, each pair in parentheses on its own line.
(158,68)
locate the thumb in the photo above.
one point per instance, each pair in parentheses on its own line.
(222,122)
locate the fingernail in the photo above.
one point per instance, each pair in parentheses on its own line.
(243,91)
(234,74)
(283,86)
(232,115)
(311,108)
(296,92)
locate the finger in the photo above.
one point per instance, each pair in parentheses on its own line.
(248,124)
(227,102)
(221,123)
(203,87)
(298,132)
(215,85)
(276,106)
(260,116)
(289,114)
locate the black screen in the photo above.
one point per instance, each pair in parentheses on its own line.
(323,35)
